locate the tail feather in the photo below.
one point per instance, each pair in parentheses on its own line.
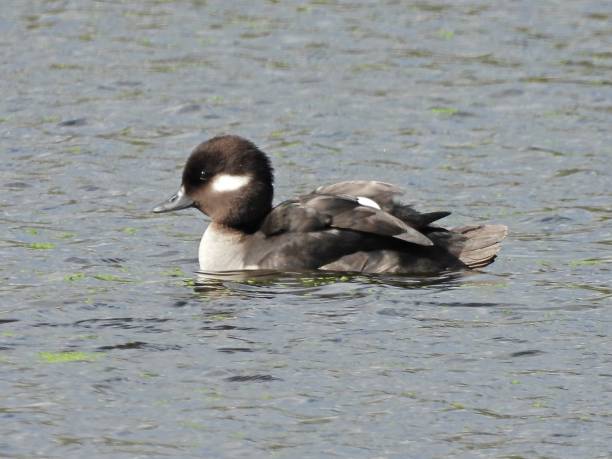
(416,219)
(482,244)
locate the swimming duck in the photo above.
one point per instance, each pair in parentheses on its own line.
(355,225)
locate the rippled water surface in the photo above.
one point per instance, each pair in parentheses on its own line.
(111,346)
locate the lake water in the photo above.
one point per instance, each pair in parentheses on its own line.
(110,346)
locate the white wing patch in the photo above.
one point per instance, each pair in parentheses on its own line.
(226,182)
(367,202)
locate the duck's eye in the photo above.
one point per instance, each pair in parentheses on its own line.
(203,176)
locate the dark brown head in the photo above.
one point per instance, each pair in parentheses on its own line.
(229,179)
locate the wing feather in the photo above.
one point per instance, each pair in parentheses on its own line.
(383,194)
(316,212)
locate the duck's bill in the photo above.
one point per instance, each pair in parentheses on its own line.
(177,202)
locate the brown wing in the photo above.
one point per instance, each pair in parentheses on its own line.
(380,192)
(293,216)
(317,212)
(383,194)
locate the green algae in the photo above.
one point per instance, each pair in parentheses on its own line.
(110,278)
(67,356)
(449,111)
(40,245)
(74,277)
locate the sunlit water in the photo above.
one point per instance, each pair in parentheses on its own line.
(112,346)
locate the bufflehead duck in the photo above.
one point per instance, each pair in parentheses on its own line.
(348,226)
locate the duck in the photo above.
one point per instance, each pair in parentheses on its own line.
(352,226)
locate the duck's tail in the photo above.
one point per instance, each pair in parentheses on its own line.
(482,243)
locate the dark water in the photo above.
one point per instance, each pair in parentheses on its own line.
(498,111)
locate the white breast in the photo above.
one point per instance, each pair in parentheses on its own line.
(221,250)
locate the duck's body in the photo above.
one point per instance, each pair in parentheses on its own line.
(347,226)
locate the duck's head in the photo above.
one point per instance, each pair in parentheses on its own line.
(229,179)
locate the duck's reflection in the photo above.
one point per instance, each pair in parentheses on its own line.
(320,284)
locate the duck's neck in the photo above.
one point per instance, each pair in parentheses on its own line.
(245,211)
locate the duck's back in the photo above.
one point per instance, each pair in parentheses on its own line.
(338,232)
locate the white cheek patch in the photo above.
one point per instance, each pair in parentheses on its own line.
(225,182)
(367,202)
